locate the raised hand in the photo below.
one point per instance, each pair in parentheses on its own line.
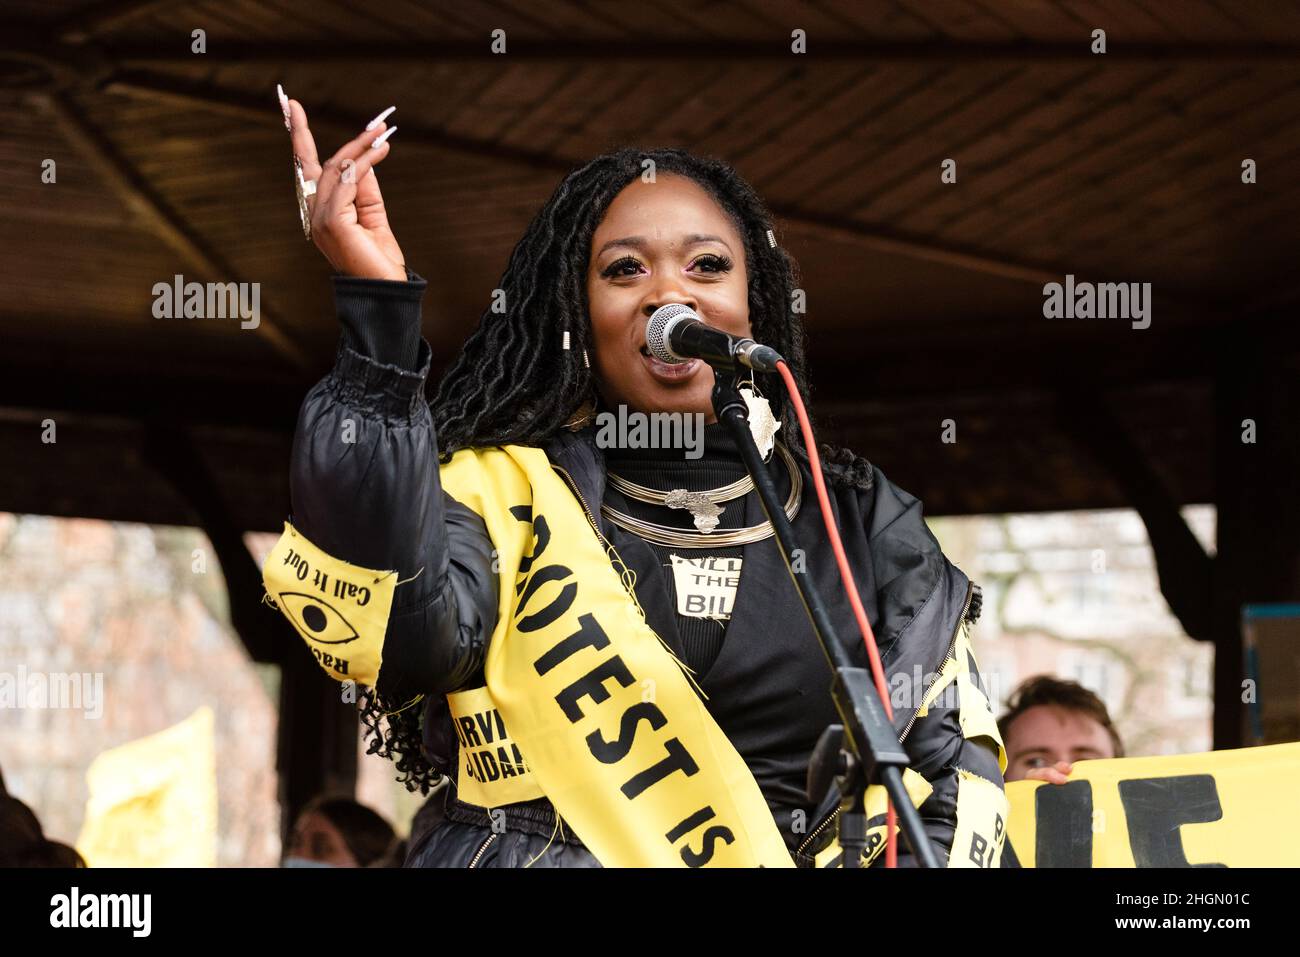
(349,223)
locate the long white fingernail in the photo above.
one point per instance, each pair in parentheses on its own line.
(379,140)
(284,106)
(380,118)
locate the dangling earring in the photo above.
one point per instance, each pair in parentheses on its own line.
(762,423)
(586,361)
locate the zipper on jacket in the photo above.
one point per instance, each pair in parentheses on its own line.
(961,619)
(478,855)
(585,507)
(952,644)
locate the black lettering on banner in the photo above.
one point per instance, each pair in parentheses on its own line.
(608,752)
(688,824)
(470,736)
(588,635)
(339,665)
(485,727)
(711,838)
(348,590)
(527,585)
(524,513)
(299,564)
(979,847)
(1157,807)
(689,855)
(592,685)
(1063,825)
(507,766)
(678,759)
(558,606)
(487,766)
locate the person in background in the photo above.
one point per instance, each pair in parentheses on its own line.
(1049,724)
(338,832)
(22,841)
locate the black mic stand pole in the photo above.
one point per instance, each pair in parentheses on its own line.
(871,750)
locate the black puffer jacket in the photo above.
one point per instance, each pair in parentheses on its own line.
(374,499)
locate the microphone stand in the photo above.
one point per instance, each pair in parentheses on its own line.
(870,751)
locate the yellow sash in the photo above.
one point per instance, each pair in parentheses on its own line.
(608,725)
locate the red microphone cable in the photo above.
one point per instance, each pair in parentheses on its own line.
(846,578)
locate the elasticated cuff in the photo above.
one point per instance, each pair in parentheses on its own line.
(370,386)
(381,317)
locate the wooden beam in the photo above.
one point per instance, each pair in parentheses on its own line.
(151,209)
(1258,525)
(171,453)
(241,106)
(884,240)
(1182,566)
(316,744)
(85,23)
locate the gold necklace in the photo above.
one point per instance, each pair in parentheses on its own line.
(679,538)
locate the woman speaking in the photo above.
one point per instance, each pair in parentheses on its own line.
(596,640)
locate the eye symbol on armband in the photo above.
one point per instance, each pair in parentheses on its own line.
(316,620)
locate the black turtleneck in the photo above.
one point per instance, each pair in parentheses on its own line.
(666,469)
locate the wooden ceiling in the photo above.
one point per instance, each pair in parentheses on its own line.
(925,298)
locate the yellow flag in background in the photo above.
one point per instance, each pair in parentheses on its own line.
(1219,809)
(153,801)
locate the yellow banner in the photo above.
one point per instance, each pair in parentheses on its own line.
(1218,809)
(153,801)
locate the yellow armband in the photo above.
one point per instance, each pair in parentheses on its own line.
(340,610)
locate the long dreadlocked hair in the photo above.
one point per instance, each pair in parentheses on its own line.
(515,383)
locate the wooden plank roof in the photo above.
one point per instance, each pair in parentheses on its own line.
(923,296)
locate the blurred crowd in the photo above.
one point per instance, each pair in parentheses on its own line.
(1049,724)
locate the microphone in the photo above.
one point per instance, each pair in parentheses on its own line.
(676,334)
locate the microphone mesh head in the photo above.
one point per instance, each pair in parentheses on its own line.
(661,323)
